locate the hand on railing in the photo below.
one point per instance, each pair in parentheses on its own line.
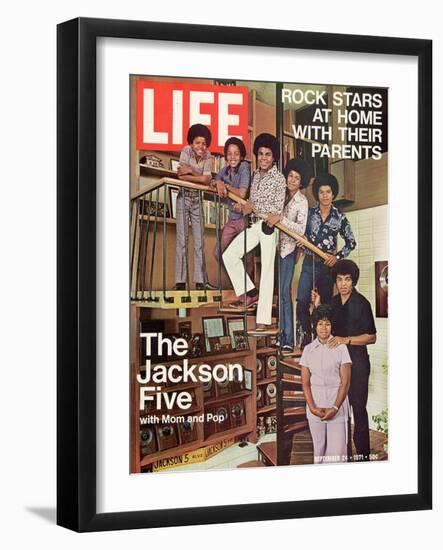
(242,206)
(315,298)
(247,208)
(221,189)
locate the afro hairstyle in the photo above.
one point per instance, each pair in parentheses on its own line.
(301,167)
(235,141)
(347,267)
(270,142)
(199,130)
(325,179)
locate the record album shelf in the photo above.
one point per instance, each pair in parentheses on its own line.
(228,434)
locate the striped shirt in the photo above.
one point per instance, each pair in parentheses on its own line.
(202,166)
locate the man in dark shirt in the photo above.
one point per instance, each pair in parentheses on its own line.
(353,325)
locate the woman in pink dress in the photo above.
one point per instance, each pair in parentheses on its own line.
(326,376)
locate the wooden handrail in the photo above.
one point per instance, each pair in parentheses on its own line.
(235,198)
(296,236)
(171,181)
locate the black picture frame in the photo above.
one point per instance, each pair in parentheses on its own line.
(229,322)
(76,268)
(205,320)
(172,195)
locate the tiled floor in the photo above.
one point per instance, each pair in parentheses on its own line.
(229,458)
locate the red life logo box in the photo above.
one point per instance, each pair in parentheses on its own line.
(166,110)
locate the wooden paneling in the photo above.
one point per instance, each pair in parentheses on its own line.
(264,118)
(371,184)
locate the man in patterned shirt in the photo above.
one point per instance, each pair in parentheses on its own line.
(298,174)
(325,222)
(268,190)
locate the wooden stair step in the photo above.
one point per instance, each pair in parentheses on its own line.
(294,395)
(296,427)
(268,451)
(302,448)
(295,353)
(291,378)
(224,308)
(266,332)
(291,363)
(294,411)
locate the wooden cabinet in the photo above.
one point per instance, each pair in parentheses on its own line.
(266,394)
(344,171)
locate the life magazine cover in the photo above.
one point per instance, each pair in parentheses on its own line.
(259,274)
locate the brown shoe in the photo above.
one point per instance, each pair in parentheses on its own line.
(245,302)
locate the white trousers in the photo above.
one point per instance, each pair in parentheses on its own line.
(330,441)
(233,259)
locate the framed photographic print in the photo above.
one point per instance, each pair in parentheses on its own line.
(196,345)
(175,163)
(248,379)
(235,324)
(381,288)
(214,345)
(185,330)
(240,340)
(321,124)
(173,194)
(225,343)
(213,327)
(158,209)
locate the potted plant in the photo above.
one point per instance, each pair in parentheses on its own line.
(381,421)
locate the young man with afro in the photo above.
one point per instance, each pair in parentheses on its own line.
(267,197)
(195,167)
(298,174)
(235,178)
